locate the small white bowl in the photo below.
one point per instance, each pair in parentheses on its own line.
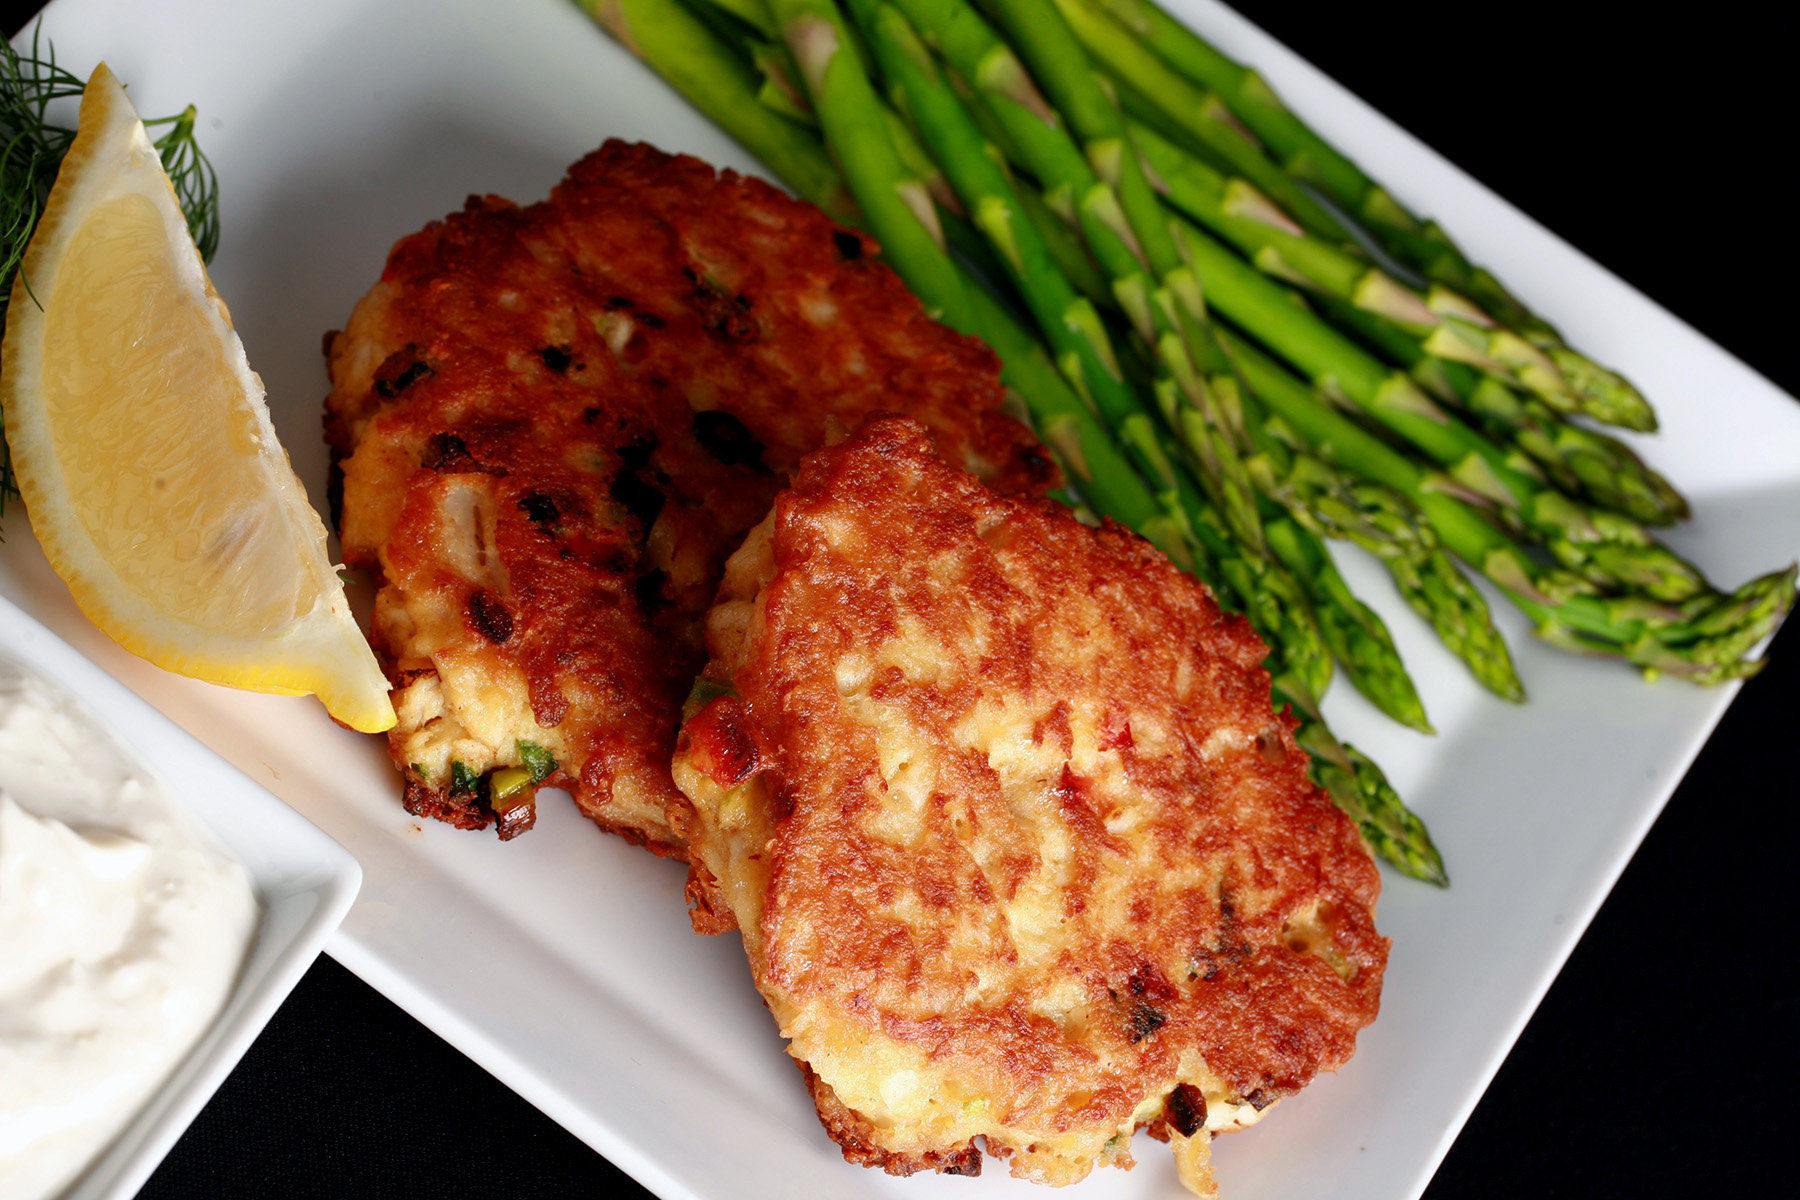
(304,880)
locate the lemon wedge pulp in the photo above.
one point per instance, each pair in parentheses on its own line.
(143,448)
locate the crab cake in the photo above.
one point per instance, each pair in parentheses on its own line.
(551,424)
(1019,850)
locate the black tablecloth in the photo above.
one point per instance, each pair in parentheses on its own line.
(1661,1062)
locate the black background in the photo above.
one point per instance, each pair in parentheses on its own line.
(1663,1061)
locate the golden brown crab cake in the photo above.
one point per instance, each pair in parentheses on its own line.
(1019,849)
(553,423)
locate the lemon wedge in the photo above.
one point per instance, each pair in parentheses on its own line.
(143,448)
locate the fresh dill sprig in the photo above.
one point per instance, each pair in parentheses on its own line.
(196,184)
(32,147)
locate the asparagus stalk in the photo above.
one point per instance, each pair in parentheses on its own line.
(1301,153)
(703,68)
(1325,503)
(1353,781)
(1199,114)
(1360,788)
(1425,577)
(1356,634)
(746,25)
(1066,247)
(1444,324)
(1068,321)
(754,13)
(1323,500)
(895,201)
(1604,394)
(782,93)
(1614,552)
(1099,186)
(1706,638)
(1105,475)
(1579,461)
(1130,35)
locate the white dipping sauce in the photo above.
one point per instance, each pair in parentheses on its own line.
(123,924)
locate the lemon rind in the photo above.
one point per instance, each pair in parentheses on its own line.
(321,651)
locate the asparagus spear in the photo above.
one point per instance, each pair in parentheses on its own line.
(1323,500)
(754,13)
(1099,185)
(1382,523)
(1105,475)
(1067,319)
(1353,631)
(1614,552)
(1198,113)
(1444,324)
(703,68)
(1356,634)
(1065,245)
(1360,788)
(781,92)
(894,200)
(1581,462)
(1705,638)
(1244,93)
(1126,33)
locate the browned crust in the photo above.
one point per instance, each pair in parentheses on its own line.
(854,1137)
(621,377)
(1216,902)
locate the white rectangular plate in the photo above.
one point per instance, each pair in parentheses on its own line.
(304,881)
(562,962)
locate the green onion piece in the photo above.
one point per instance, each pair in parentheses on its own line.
(462,780)
(505,786)
(539,761)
